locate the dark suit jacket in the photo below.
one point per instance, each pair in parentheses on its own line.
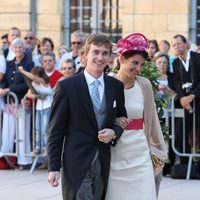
(180,75)
(179,71)
(73,121)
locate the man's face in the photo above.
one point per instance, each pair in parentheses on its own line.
(97,58)
(13,34)
(179,46)
(30,40)
(48,63)
(76,44)
(5,43)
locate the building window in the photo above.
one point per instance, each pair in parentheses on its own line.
(96,15)
(110,22)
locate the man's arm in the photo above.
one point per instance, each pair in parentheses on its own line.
(107,135)
(56,133)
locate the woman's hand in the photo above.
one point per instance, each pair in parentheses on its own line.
(31,95)
(122,121)
(162,87)
(20,69)
(4,91)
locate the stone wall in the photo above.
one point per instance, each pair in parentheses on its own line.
(157,19)
(49,17)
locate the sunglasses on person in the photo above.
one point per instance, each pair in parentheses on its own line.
(30,38)
(78,43)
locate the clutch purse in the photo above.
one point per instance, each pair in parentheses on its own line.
(157,164)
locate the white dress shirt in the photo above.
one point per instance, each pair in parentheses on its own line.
(90,79)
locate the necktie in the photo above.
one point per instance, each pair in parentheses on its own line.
(96,96)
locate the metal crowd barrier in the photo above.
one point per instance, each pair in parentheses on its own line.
(21,113)
(180,113)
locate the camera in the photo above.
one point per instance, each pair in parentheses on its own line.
(187,87)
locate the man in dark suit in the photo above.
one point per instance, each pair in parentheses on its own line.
(81,131)
(186,74)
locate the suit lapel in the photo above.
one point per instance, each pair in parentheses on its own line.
(85,99)
(109,98)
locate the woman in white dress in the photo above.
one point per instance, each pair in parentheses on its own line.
(131,171)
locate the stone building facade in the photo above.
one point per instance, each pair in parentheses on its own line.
(157,19)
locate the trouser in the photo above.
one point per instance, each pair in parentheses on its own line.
(92,185)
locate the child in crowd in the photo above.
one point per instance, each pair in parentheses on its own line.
(40,82)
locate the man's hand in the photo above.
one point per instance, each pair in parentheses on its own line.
(53,178)
(106,135)
(185,101)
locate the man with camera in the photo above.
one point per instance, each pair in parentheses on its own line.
(186,77)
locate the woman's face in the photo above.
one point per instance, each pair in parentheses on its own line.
(46,48)
(18,50)
(132,66)
(162,64)
(68,69)
(151,50)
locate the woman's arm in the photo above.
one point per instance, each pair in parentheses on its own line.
(32,76)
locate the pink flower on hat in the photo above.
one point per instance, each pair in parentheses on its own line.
(133,42)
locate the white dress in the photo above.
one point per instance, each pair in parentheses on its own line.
(131,172)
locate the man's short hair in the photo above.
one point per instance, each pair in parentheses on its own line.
(98,39)
(51,54)
(184,40)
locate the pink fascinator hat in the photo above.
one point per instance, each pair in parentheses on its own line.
(133,42)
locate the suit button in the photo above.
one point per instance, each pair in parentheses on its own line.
(12,78)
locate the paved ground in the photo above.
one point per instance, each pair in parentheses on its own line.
(20,185)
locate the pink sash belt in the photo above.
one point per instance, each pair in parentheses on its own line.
(135,124)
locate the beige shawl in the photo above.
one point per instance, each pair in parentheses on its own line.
(151,122)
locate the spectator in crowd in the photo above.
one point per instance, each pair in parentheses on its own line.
(48,60)
(68,68)
(13,33)
(164,46)
(113,61)
(62,50)
(30,40)
(2,72)
(2,65)
(4,40)
(46,46)
(40,82)
(81,126)
(77,42)
(161,60)
(165,86)
(14,82)
(186,75)
(83,61)
(152,49)
(48,63)
(131,166)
